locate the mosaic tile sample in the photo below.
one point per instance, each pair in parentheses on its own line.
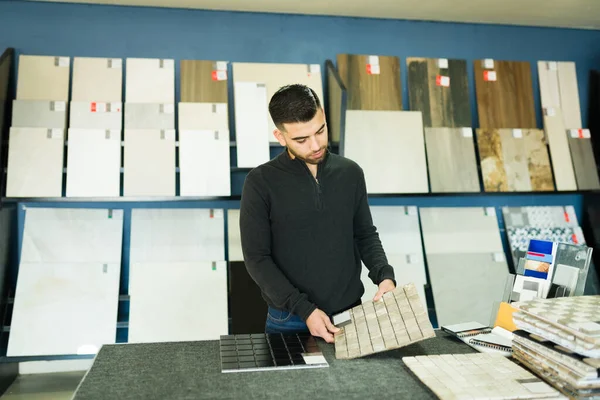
(264,352)
(518,238)
(572,322)
(397,321)
(541,217)
(478,376)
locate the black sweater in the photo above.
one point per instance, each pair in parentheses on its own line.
(303,239)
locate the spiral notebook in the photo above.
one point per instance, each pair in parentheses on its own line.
(497,339)
(466,329)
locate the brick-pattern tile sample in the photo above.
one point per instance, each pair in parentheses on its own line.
(584,162)
(478,376)
(440,90)
(200,82)
(97,79)
(39,114)
(372,82)
(150,80)
(451,160)
(398,320)
(507,101)
(558,142)
(43,78)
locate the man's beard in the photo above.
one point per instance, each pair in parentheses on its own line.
(310,160)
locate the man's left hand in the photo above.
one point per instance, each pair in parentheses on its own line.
(385,286)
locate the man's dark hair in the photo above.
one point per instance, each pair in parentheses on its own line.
(293,103)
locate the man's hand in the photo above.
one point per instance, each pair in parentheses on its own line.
(385,286)
(320,325)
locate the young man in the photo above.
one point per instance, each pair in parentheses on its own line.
(305,224)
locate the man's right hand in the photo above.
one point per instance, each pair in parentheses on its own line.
(320,325)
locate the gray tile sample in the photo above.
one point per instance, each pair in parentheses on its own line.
(584,163)
(39,114)
(92,115)
(149,116)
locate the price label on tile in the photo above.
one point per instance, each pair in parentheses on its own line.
(97,107)
(549,112)
(167,63)
(114,134)
(168,108)
(219,75)
(499,257)
(56,133)
(63,61)
(59,106)
(219,266)
(489,76)
(442,63)
(373,69)
(490,211)
(168,134)
(115,107)
(580,133)
(518,133)
(552,66)
(220,108)
(221,65)
(441,80)
(217,213)
(467,132)
(412,258)
(115,63)
(373,60)
(314,69)
(488,63)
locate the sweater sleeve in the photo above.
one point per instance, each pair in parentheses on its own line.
(255,230)
(367,239)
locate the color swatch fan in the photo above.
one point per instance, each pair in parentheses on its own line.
(398,320)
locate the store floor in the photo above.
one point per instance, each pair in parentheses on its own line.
(55,386)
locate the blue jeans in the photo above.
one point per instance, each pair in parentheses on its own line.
(279,321)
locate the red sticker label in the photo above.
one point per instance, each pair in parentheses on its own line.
(574,239)
(567,219)
(219,75)
(489,76)
(373,69)
(441,80)
(93,107)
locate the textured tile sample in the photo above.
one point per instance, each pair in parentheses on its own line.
(478,376)
(39,114)
(150,80)
(451,160)
(43,78)
(518,238)
(203,116)
(202,81)
(466,286)
(97,79)
(372,82)
(149,116)
(251,124)
(149,162)
(507,101)
(562,163)
(460,230)
(397,321)
(72,236)
(540,217)
(514,160)
(584,162)
(336,103)
(204,163)
(93,115)
(248,309)
(390,147)
(35,162)
(260,352)
(177,235)
(234,240)
(571,322)
(177,301)
(94,163)
(439,88)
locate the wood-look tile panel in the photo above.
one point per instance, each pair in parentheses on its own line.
(198,85)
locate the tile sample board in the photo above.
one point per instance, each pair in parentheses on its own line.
(234,240)
(203,116)
(558,91)
(439,88)
(336,103)
(177,235)
(97,79)
(43,78)
(451,160)
(251,124)
(584,162)
(540,217)
(149,116)
(514,160)
(150,80)
(177,301)
(93,115)
(372,82)
(203,81)
(39,114)
(504,94)
(390,147)
(248,309)
(274,76)
(269,352)
(558,142)
(518,238)
(94,163)
(149,162)
(466,286)
(397,321)
(204,164)
(35,162)
(478,376)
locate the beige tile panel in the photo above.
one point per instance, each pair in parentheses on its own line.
(562,163)
(97,79)
(150,80)
(233,234)
(203,116)
(95,115)
(569,95)
(548,80)
(43,78)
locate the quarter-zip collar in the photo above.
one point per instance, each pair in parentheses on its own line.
(298,166)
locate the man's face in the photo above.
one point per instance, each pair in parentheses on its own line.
(305,140)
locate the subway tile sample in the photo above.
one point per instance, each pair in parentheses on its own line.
(203,81)
(248,310)
(39,114)
(390,147)
(562,162)
(149,162)
(234,240)
(35,162)
(95,115)
(251,124)
(451,160)
(336,103)
(150,80)
(204,164)
(43,78)
(514,160)
(203,116)
(149,116)
(177,301)
(439,89)
(504,94)
(584,162)
(372,82)
(94,163)
(97,79)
